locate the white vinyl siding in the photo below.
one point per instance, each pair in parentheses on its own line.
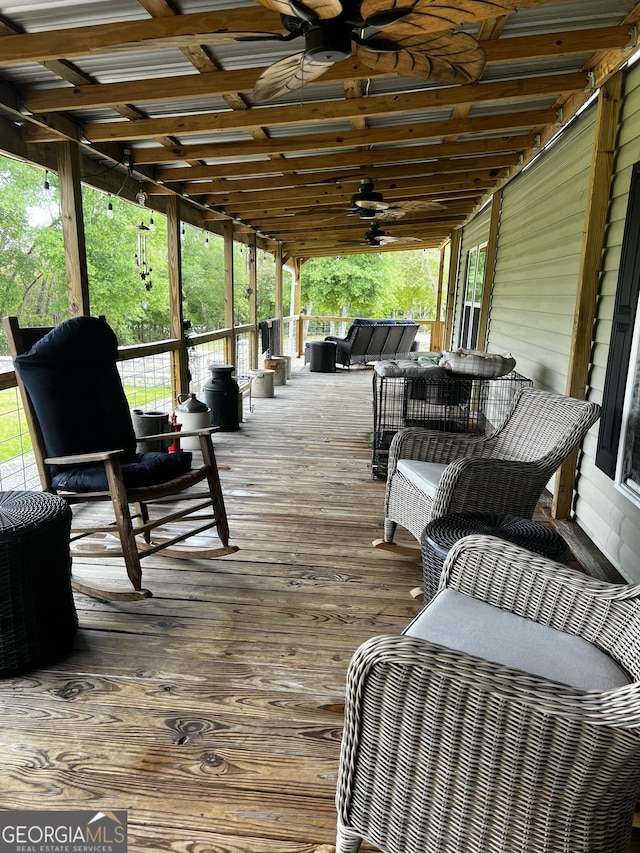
(542,221)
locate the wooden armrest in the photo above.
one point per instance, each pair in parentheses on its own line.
(79,458)
(166,436)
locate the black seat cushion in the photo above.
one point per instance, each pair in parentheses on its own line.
(145,469)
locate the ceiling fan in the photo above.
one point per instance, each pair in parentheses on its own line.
(375,236)
(367,203)
(415,38)
(411,37)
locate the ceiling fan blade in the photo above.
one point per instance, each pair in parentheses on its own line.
(287,75)
(452,58)
(387,240)
(432,16)
(391,214)
(418,205)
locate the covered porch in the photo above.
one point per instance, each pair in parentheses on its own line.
(213,713)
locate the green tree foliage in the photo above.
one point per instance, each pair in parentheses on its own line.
(32,271)
(116,287)
(203,279)
(391,284)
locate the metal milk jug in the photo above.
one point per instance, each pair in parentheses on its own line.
(192,413)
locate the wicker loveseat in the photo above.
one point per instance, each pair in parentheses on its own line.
(373,340)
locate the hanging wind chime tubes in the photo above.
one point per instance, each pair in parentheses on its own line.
(144,270)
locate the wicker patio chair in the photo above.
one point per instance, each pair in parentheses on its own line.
(433,473)
(506,718)
(85,451)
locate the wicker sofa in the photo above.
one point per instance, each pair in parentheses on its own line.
(374,340)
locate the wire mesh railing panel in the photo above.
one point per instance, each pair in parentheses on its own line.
(200,357)
(243,354)
(17,464)
(147,382)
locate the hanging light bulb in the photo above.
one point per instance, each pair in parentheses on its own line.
(152,224)
(206,241)
(46,185)
(110,208)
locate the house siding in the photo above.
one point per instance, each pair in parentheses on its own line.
(607,516)
(542,221)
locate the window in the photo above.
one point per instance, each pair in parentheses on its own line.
(476,263)
(618,453)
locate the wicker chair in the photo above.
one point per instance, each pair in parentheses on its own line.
(434,473)
(446,751)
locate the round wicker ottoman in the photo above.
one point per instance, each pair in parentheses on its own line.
(440,535)
(37,614)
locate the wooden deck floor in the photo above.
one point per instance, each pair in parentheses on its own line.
(213,711)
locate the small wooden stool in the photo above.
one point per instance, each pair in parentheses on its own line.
(38,618)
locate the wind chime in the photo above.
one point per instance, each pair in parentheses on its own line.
(142,266)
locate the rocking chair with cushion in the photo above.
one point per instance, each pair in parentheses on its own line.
(432,473)
(85,450)
(505,718)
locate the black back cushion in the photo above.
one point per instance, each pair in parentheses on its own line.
(75,389)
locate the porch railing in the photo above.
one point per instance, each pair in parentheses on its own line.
(147,372)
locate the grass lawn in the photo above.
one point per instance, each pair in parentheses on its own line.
(14,434)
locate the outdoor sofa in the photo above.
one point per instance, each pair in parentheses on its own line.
(374,340)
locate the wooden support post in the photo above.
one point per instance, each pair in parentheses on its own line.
(179,358)
(490,270)
(454,265)
(229,300)
(253,303)
(589,273)
(437,328)
(279,299)
(75,251)
(297,267)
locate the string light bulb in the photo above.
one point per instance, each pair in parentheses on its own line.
(46,185)
(110,209)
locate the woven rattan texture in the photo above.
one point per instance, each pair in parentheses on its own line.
(441,534)
(447,753)
(505,471)
(37,614)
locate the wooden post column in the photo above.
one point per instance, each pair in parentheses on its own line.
(229,298)
(75,251)
(589,274)
(179,357)
(490,270)
(253,302)
(454,264)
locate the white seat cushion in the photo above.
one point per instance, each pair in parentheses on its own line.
(461,622)
(424,475)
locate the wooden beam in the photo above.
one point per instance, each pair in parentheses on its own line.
(219,83)
(379,105)
(75,250)
(597,206)
(426,154)
(452,287)
(142,34)
(490,269)
(504,123)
